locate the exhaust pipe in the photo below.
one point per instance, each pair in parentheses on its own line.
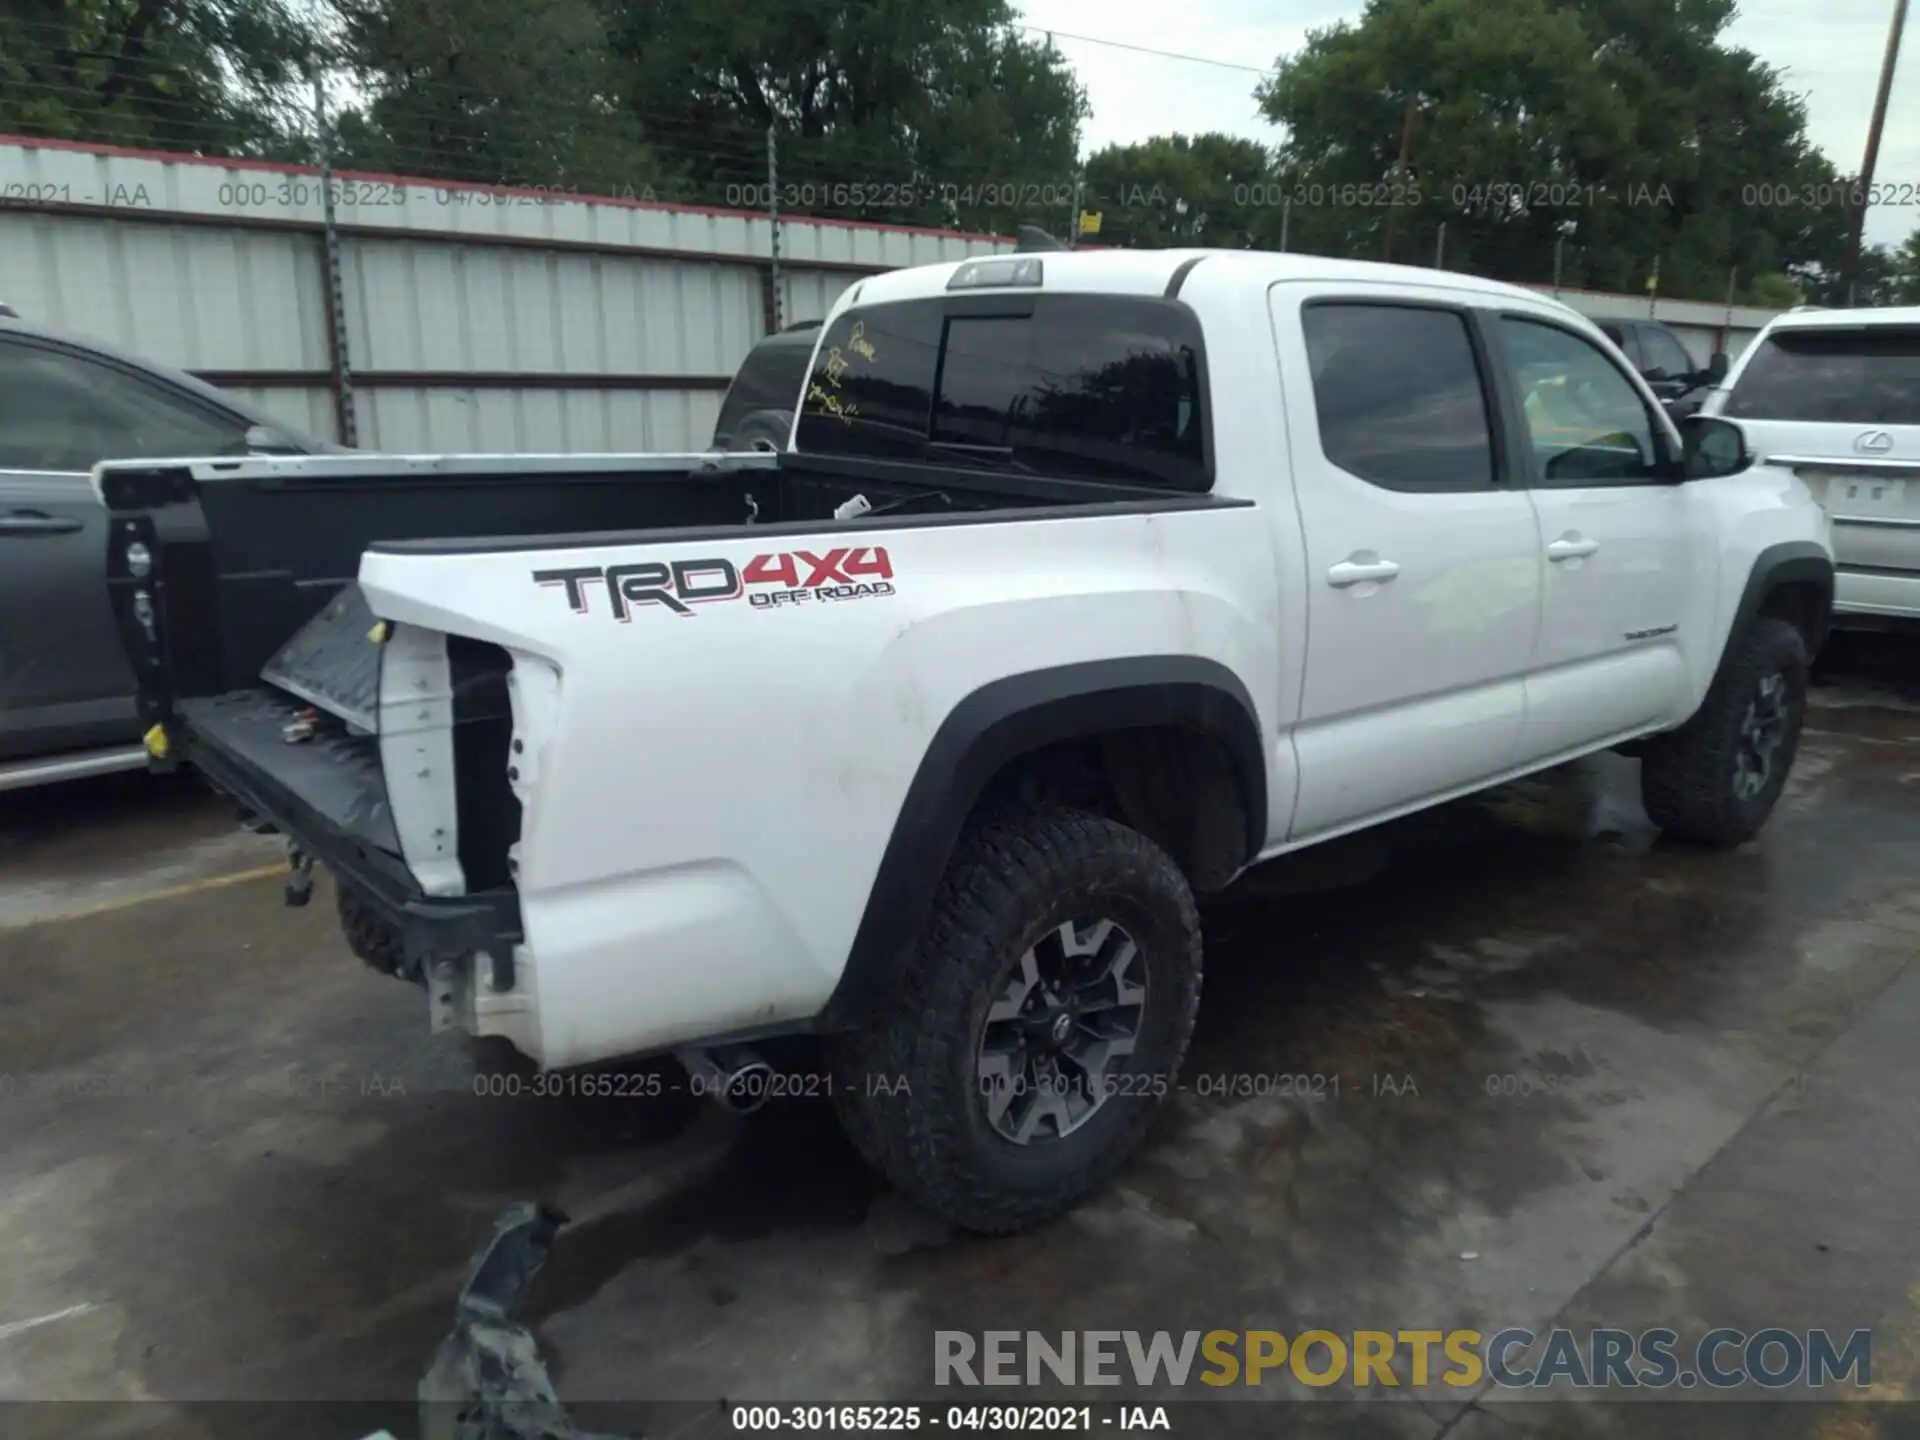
(733,1076)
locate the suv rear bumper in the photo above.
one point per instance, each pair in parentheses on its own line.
(1860,591)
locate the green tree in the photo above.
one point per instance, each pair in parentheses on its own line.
(208,76)
(1613,135)
(517,92)
(1903,277)
(930,110)
(1774,291)
(1209,189)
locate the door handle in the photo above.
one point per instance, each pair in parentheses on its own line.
(36,522)
(1354,571)
(1572,547)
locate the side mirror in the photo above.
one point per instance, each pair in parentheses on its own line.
(1717,367)
(1714,447)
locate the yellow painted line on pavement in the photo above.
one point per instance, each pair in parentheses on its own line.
(171,892)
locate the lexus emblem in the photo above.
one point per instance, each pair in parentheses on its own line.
(1873,442)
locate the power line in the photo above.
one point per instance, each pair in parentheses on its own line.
(1146,50)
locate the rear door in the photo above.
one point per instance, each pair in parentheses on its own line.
(1845,399)
(1423,561)
(1628,550)
(64,681)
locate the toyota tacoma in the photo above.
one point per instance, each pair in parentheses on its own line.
(1082,583)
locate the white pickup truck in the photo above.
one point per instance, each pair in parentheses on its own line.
(1085,582)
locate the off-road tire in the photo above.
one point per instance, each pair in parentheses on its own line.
(1687,776)
(905,1083)
(369,936)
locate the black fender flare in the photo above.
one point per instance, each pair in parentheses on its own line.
(1000,722)
(1792,562)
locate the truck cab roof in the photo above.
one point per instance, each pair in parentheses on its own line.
(1165,272)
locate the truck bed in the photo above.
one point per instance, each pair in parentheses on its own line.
(233,585)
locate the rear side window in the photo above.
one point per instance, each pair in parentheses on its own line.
(1869,375)
(1399,396)
(1085,385)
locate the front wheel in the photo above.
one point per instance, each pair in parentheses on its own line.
(1717,778)
(1040,1022)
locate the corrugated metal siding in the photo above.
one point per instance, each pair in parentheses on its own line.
(416,305)
(305,407)
(809,294)
(441,285)
(542,421)
(189,296)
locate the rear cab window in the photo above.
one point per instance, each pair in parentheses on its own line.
(1843,375)
(1094,386)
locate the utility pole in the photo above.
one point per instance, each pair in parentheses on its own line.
(1400,173)
(1849,270)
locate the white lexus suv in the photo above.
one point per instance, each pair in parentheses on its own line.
(1835,396)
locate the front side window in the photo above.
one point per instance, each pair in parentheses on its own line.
(1399,396)
(61,411)
(1584,417)
(1085,385)
(1867,375)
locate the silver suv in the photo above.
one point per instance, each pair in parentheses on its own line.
(1835,394)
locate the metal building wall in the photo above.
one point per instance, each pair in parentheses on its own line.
(474,318)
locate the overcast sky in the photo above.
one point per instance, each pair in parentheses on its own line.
(1830,50)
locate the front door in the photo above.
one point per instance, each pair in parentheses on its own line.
(1423,564)
(1626,547)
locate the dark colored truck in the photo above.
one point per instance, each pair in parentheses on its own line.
(1666,364)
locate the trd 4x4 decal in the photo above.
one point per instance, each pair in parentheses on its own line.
(767,582)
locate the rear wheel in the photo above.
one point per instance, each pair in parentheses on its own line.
(1717,778)
(1041,1021)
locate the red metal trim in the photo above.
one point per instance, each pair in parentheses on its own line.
(458,380)
(281,167)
